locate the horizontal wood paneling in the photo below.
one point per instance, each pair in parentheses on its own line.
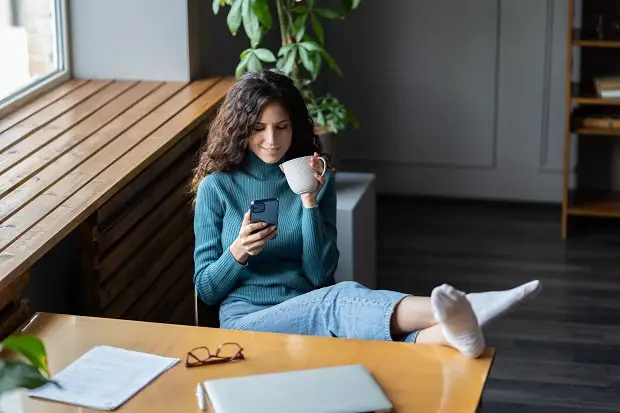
(173,178)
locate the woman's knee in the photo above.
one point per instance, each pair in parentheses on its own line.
(343,285)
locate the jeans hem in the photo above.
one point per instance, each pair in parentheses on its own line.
(389,313)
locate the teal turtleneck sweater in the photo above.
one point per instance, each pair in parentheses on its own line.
(303,256)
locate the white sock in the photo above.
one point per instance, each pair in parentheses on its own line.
(458,321)
(492,304)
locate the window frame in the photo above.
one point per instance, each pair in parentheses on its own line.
(33,90)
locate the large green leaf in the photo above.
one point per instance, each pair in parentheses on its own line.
(300,27)
(16,374)
(307,61)
(261,9)
(327,13)
(265,55)
(318,28)
(234,17)
(243,63)
(311,46)
(250,23)
(254,63)
(289,62)
(284,50)
(30,347)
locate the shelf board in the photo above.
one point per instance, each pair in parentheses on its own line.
(594,204)
(584,95)
(584,41)
(593,99)
(596,131)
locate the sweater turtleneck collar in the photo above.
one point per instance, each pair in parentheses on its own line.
(256,167)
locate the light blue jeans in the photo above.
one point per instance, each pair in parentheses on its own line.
(346,309)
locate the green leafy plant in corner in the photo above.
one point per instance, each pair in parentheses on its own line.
(302,52)
(29,374)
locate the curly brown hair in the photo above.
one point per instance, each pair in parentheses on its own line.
(226,145)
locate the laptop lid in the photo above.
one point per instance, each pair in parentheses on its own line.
(341,389)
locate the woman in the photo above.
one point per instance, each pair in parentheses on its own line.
(286,283)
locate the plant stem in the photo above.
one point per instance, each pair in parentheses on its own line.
(281,18)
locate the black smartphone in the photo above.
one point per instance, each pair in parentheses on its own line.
(265,210)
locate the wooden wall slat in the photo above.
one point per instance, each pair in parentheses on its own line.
(146,201)
(122,298)
(90,297)
(35,122)
(42,156)
(144,232)
(110,211)
(183,313)
(40,103)
(142,258)
(180,289)
(174,273)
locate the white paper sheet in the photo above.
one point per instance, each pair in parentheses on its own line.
(104,378)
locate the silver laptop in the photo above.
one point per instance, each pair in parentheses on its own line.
(342,389)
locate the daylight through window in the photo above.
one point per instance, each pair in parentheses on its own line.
(31,45)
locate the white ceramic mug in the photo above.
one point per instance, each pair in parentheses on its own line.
(300,176)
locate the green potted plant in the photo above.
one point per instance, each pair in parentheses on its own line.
(30,372)
(301,54)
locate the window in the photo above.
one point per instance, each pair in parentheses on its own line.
(33,47)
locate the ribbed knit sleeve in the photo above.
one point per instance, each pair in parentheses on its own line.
(320,251)
(216,271)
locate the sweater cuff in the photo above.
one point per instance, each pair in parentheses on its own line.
(229,261)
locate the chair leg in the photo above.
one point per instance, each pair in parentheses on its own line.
(196,320)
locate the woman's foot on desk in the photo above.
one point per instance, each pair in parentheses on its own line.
(458,321)
(491,305)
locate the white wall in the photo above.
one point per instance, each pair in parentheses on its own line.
(132,39)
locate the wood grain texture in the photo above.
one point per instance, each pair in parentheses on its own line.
(77,178)
(42,102)
(122,295)
(34,229)
(69,120)
(43,155)
(49,114)
(175,175)
(139,257)
(558,353)
(111,210)
(417,378)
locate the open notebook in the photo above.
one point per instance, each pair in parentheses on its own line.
(342,389)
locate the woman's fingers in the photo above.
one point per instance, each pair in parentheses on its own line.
(259,235)
(257,246)
(252,228)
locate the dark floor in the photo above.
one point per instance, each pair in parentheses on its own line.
(560,353)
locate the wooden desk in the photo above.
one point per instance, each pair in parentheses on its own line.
(417,378)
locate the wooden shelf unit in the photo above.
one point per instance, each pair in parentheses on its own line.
(597,57)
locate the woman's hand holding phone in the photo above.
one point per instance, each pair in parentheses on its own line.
(251,239)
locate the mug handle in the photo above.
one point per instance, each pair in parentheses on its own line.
(324,165)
